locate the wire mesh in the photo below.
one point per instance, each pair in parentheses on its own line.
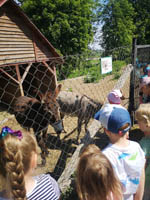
(142,61)
(84,90)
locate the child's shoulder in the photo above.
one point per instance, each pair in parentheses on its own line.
(131,147)
(134,146)
(134,143)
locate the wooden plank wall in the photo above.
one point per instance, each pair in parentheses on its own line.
(15,46)
(18,42)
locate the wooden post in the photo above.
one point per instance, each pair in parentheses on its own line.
(9,75)
(49,68)
(131,107)
(134,51)
(19,79)
(52,70)
(26,72)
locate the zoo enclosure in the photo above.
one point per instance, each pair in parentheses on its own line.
(63,151)
(29,62)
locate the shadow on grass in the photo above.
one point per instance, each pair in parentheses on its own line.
(67,150)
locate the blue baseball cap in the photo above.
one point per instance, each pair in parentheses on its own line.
(113,117)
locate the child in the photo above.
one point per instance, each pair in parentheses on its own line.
(89,149)
(115,97)
(146,70)
(126,157)
(145,90)
(95,176)
(18,159)
(142,115)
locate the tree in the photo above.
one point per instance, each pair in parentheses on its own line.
(67,24)
(142,20)
(118,27)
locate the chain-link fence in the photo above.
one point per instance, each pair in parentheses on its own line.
(141,61)
(84,90)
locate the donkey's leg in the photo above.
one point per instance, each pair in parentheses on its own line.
(79,128)
(86,124)
(44,135)
(62,115)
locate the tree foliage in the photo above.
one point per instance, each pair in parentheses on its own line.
(142,20)
(67,24)
(124,19)
(118,27)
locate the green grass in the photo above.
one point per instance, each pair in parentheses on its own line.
(92,71)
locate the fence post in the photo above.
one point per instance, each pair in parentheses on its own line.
(134,51)
(131,107)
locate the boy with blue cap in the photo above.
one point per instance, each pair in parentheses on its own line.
(126,157)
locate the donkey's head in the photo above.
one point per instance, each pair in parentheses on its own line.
(50,100)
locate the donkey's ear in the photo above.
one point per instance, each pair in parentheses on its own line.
(57,90)
(59,87)
(30,103)
(39,94)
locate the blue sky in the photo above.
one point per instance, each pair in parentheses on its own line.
(95,44)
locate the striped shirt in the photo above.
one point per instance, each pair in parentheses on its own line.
(46,189)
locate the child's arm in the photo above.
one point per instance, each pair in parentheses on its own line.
(140,191)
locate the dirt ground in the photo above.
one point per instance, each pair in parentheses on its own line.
(61,150)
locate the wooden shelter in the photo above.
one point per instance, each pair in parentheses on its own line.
(27,58)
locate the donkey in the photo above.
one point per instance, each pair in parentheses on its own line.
(31,113)
(74,104)
(78,105)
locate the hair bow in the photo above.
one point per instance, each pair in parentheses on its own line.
(6,130)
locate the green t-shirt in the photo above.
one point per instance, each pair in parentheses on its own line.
(145,145)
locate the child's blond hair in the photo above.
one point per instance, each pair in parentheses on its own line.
(91,148)
(15,161)
(95,176)
(143,113)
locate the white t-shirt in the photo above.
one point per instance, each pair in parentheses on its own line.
(128,163)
